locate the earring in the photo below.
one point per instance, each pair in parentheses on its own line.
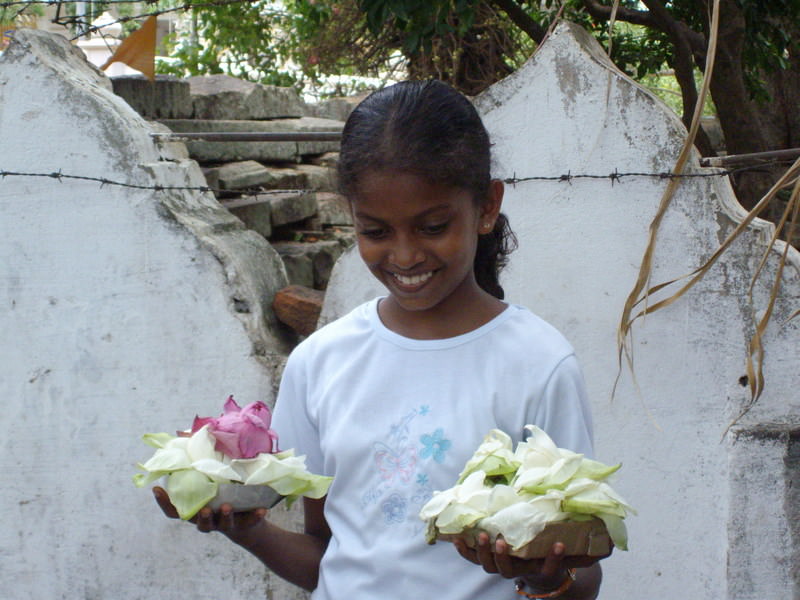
(487,226)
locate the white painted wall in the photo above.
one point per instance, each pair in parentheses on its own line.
(715,520)
(118,316)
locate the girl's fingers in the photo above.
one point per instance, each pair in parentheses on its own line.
(225,519)
(465,551)
(205,520)
(163,501)
(504,563)
(485,554)
(553,560)
(252,517)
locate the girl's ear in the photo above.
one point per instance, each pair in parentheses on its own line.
(491,208)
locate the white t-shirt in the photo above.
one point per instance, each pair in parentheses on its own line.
(392,419)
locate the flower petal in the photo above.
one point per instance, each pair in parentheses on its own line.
(167,459)
(230,406)
(189,491)
(157,440)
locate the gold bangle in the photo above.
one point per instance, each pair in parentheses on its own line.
(565,585)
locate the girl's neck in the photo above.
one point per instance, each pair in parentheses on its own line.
(442,321)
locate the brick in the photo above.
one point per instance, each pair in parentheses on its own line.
(298,307)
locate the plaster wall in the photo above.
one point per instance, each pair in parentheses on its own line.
(122,311)
(715,506)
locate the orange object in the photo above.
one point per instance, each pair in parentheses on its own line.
(138,50)
(520,587)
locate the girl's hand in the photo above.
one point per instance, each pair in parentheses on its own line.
(498,560)
(240,527)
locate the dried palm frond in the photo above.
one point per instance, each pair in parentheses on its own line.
(786,225)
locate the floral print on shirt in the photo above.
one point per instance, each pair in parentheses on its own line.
(400,460)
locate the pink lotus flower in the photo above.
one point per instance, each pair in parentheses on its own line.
(241,432)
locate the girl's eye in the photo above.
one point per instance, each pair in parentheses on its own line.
(373,234)
(434,229)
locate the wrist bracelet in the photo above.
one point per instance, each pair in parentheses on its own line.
(568,580)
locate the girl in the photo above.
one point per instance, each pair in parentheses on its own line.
(393,398)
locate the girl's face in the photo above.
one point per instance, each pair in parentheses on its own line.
(419,239)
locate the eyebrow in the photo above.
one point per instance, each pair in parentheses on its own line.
(423,214)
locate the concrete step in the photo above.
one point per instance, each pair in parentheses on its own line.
(264,152)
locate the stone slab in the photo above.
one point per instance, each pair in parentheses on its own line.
(291,207)
(284,178)
(165,98)
(318,178)
(320,255)
(317,124)
(329,159)
(255,213)
(224,97)
(335,108)
(242,175)
(297,261)
(332,209)
(260,151)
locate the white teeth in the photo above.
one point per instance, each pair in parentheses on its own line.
(414,279)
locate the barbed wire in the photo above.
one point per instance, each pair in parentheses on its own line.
(615,176)
(103,181)
(87,28)
(11,3)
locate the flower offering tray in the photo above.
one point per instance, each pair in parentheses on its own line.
(580,538)
(245,497)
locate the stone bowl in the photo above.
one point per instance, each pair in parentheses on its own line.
(580,538)
(245,497)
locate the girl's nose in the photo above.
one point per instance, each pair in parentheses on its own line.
(405,255)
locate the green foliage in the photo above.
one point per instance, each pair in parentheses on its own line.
(300,42)
(420,21)
(248,40)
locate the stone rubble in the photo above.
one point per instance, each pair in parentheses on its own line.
(299,213)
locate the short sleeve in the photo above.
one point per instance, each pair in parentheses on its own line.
(291,419)
(564,411)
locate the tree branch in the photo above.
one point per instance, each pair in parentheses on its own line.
(521,19)
(629,15)
(664,21)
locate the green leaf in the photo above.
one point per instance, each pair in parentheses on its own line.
(594,469)
(157,440)
(616,529)
(189,491)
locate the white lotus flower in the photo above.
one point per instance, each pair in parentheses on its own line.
(547,484)
(494,457)
(520,522)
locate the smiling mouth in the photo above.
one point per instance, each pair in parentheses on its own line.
(410,280)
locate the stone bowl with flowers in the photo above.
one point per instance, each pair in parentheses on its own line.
(532,497)
(231,459)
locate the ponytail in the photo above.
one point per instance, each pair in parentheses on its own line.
(492,256)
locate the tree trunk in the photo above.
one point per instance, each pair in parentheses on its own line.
(740,116)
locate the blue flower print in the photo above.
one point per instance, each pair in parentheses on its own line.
(424,410)
(394,509)
(422,479)
(435,446)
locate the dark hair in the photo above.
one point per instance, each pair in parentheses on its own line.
(431,130)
